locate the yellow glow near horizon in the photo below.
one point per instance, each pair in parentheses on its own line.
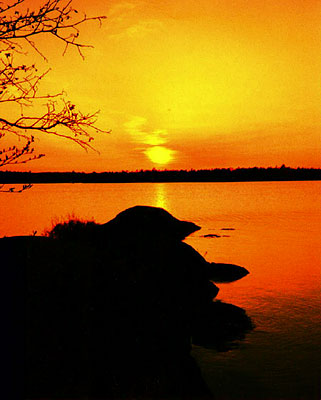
(159,154)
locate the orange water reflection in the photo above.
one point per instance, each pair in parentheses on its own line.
(276,225)
(274,231)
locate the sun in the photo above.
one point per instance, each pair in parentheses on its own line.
(159,154)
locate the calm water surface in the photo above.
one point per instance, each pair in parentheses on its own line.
(271,228)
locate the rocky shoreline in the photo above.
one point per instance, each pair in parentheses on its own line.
(110,311)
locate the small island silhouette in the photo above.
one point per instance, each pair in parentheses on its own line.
(111,310)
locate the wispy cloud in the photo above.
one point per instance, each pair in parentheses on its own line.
(136,127)
(120,8)
(153,140)
(143,28)
(135,30)
(127,22)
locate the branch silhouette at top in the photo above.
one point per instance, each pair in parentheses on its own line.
(19,82)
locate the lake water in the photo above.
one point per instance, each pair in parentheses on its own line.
(271,228)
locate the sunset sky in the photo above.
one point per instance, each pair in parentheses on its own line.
(191,84)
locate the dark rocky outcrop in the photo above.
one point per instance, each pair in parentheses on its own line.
(223,273)
(211,235)
(109,311)
(148,222)
(219,324)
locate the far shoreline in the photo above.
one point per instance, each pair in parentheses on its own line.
(230,175)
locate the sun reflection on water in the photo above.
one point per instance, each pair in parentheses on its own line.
(161,196)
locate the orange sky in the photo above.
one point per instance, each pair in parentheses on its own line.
(192,84)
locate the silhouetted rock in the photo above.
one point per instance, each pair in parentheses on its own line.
(223,273)
(211,235)
(219,325)
(108,311)
(148,223)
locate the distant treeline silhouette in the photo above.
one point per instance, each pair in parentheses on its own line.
(282,173)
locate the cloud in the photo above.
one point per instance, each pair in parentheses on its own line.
(136,127)
(135,30)
(120,9)
(127,21)
(153,140)
(143,28)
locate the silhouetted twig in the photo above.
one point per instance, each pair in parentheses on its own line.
(19,82)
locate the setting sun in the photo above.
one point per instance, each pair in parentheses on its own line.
(159,154)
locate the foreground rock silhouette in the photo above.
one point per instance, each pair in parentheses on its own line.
(110,311)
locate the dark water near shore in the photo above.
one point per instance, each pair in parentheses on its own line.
(271,228)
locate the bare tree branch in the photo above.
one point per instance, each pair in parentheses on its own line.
(78,126)
(9,6)
(53,17)
(14,189)
(15,155)
(19,83)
